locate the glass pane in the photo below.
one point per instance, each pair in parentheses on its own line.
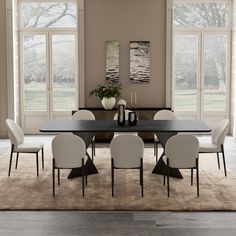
(201,14)
(64,70)
(48,14)
(215,54)
(35,72)
(186,57)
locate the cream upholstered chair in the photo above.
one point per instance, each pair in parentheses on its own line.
(69,151)
(126,118)
(162,115)
(216,145)
(127,153)
(86,115)
(181,152)
(18,145)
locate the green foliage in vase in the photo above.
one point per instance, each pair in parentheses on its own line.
(106,91)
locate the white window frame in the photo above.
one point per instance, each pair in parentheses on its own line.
(171,31)
(78,31)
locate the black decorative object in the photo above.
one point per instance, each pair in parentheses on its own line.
(132,118)
(121,115)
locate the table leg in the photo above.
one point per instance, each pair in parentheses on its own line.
(160,166)
(160,169)
(90,169)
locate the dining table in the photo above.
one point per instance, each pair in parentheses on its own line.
(164,129)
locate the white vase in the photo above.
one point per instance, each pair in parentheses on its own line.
(108,103)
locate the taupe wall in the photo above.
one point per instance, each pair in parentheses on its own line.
(125,20)
(3,69)
(122,20)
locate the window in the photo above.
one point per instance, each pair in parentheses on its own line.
(201,59)
(202,14)
(49,53)
(48,14)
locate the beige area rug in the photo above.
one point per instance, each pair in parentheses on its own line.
(24,191)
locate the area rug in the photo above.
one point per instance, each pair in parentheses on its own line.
(3,150)
(24,191)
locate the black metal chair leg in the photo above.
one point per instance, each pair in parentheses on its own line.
(83,177)
(156,152)
(164,176)
(42,159)
(218,160)
(17,156)
(112,177)
(168,178)
(37,163)
(9,171)
(223,155)
(197,175)
(92,151)
(141,176)
(53,177)
(154,148)
(58,176)
(94,147)
(191,176)
(86,173)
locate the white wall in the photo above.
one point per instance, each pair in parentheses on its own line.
(126,20)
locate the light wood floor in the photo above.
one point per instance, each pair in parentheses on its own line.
(120,223)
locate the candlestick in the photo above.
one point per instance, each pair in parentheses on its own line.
(135,97)
(131,98)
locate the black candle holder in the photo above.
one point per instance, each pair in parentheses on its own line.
(132,120)
(121,115)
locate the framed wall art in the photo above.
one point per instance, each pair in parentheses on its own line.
(112,61)
(139,61)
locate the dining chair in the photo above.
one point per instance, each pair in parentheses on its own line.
(181,152)
(86,115)
(18,145)
(216,145)
(127,153)
(126,119)
(162,115)
(69,151)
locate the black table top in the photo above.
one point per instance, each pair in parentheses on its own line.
(112,126)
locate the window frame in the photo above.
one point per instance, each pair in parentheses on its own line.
(170,34)
(78,31)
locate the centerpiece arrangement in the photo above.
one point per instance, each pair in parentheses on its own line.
(107,94)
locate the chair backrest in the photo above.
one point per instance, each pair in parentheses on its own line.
(165,115)
(219,132)
(15,132)
(126,115)
(182,151)
(68,151)
(83,115)
(127,150)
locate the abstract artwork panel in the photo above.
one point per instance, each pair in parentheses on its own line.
(139,61)
(112,61)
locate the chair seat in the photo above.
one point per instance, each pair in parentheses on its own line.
(29,147)
(119,133)
(208,147)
